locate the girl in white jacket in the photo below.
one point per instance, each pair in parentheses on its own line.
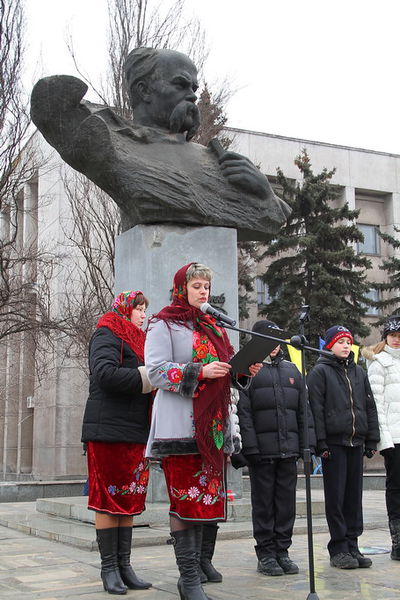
(383,361)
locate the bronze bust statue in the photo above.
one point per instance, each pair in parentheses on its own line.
(148,165)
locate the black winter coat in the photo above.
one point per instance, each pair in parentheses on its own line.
(342,403)
(116,410)
(271,412)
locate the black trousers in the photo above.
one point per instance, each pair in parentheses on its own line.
(273,501)
(392,466)
(343,479)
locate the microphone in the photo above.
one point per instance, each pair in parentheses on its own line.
(210,310)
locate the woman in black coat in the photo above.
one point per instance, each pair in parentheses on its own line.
(115,430)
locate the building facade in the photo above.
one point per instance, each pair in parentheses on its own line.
(43,389)
(367,180)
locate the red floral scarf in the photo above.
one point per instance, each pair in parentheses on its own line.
(118,321)
(212,398)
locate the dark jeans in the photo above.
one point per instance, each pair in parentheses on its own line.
(273,501)
(392,466)
(343,479)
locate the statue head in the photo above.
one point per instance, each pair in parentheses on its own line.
(162,86)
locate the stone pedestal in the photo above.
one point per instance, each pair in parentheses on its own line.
(148,256)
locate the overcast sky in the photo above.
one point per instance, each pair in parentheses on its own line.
(325,70)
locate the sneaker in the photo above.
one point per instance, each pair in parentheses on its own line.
(344,560)
(363,561)
(269,566)
(288,566)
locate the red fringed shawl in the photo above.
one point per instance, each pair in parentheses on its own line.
(126,331)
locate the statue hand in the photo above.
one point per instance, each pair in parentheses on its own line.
(241,173)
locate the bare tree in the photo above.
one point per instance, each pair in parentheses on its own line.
(140,23)
(91,233)
(23,295)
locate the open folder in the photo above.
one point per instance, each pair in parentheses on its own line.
(256,350)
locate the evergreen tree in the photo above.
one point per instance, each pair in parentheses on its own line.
(313,258)
(390,304)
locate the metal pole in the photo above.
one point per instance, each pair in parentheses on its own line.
(304,317)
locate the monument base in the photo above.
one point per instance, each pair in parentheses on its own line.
(146,259)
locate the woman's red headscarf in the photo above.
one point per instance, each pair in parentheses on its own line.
(119,322)
(211,405)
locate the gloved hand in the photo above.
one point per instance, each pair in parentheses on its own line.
(323,450)
(238,461)
(369,452)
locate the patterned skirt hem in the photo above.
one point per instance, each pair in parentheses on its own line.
(213,520)
(116,514)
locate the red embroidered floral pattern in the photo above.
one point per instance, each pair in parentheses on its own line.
(208,489)
(217,430)
(138,484)
(203,350)
(173,374)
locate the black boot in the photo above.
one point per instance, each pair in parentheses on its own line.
(207,552)
(185,548)
(394,527)
(128,575)
(107,540)
(199,540)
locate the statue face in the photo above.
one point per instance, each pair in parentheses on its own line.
(172,97)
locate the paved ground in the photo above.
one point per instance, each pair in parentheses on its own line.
(32,568)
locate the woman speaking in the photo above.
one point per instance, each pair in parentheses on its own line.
(186,357)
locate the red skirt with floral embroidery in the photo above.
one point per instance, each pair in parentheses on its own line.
(195,493)
(118,477)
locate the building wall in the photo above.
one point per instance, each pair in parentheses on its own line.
(368,180)
(42,394)
(43,441)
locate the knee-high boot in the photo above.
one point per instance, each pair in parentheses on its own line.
(187,558)
(107,540)
(128,575)
(209,537)
(394,527)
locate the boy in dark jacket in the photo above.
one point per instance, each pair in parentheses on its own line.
(271,416)
(346,425)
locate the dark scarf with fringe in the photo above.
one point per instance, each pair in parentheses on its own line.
(212,399)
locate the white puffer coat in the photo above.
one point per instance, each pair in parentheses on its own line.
(384,377)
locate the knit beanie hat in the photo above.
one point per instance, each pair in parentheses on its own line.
(391,325)
(264,326)
(334,333)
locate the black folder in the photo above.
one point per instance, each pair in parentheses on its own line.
(256,350)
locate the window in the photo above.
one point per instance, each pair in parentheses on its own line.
(373,311)
(263,296)
(370,245)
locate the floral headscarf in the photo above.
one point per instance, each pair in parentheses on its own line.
(123,304)
(118,320)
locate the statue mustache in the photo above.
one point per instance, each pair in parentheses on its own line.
(178,116)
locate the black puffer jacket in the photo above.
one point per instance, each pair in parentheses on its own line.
(271,412)
(342,403)
(116,410)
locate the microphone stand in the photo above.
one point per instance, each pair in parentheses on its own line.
(300,343)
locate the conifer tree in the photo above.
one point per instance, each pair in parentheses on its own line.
(313,260)
(390,304)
